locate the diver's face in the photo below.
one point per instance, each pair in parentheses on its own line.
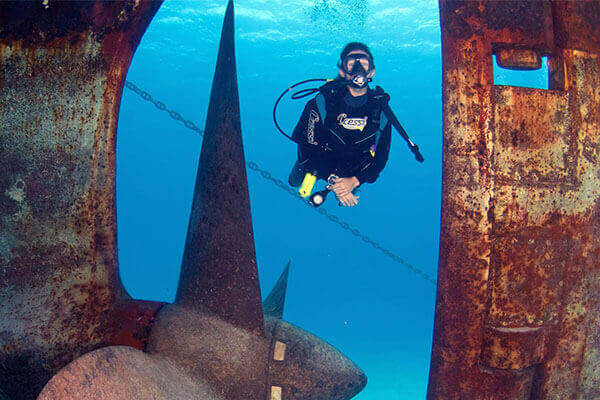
(350,61)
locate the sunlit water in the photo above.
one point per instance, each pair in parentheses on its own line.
(370,307)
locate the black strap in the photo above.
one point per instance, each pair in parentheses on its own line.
(396,124)
(329,89)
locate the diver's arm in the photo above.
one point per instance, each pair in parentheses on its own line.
(308,134)
(370,171)
(308,129)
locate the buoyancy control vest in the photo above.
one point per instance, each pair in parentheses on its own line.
(351,132)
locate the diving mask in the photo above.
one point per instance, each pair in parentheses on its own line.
(357,66)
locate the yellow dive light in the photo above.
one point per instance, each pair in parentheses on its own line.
(307,185)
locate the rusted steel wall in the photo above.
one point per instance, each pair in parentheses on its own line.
(517,313)
(62,68)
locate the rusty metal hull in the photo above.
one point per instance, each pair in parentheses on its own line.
(517,303)
(62,68)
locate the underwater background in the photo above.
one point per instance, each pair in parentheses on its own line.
(371,307)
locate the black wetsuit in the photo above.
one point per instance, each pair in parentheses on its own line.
(356,135)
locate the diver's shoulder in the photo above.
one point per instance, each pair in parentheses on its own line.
(331,88)
(379,94)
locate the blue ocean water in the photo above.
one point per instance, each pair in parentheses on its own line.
(537,79)
(372,308)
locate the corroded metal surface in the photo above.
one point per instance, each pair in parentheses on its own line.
(194,355)
(231,359)
(311,369)
(275,301)
(62,66)
(61,292)
(517,306)
(219,272)
(239,364)
(123,373)
(302,365)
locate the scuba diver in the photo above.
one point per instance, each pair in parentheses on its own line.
(344,132)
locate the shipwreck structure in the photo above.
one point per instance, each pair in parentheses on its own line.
(518,313)
(518,307)
(62,69)
(68,329)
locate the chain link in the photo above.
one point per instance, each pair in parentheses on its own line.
(279,183)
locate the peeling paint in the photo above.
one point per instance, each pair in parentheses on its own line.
(520,204)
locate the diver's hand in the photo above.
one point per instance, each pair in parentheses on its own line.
(348,200)
(344,186)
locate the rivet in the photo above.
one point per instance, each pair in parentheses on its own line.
(275,392)
(279,351)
